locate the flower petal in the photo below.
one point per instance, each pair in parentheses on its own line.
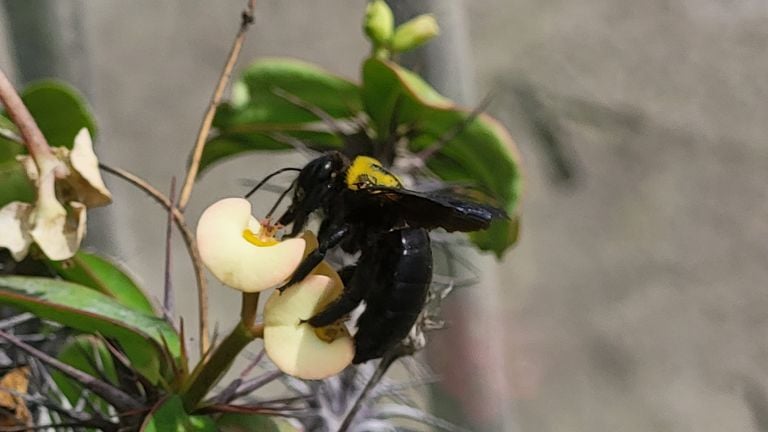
(234,260)
(87,180)
(295,347)
(14,226)
(57,233)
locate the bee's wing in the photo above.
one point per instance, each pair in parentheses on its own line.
(450,211)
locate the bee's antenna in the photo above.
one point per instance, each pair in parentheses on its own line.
(266,179)
(279,199)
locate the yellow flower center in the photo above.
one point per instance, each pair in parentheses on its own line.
(259,239)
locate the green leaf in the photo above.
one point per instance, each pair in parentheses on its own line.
(236,422)
(232,144)
(482,154)
(83,352)
(105,277)
(59,110)
(258,110)
(142,337)
(14,183)
(169,416)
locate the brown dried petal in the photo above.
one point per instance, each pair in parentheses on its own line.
(86,178)
(14,229)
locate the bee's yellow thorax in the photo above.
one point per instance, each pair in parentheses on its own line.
(366,171)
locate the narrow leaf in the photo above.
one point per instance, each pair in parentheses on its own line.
(105,277)
(81,352)
(84,309)
(169,416)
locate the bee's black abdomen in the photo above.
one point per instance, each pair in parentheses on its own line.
(400,278)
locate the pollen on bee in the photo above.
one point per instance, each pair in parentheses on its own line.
(366,171)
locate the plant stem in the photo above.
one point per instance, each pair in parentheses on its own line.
(30,133)
(248,309)
(207,374)
(205,127)
(189,240)
(168,299)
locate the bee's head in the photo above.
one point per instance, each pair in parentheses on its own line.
(314,188)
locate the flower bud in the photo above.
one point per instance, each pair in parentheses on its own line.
(379,22)
(415,32)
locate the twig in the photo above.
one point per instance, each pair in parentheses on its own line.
(189,240)
(30,132)
(114,396)
(389,358)
(254,384)
(316,111)
(15,320)
(205,127)
(168,288)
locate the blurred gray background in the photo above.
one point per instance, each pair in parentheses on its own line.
(636,299)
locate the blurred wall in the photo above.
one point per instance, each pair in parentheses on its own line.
(636,299)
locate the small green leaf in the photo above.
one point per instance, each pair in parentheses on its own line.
(169,416)
(105,277)
(59,110)
(481,154)
(262,108)
(236,422)
(83,352)
(141,336)
(414,33)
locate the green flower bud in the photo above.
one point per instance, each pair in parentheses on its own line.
(415,32)
(379,23)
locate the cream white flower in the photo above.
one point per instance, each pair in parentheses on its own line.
(238,250)
(296,347)
(66,183)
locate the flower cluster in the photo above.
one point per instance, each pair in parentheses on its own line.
(67,182)
(243,254)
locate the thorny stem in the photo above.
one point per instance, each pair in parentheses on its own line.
(205,127)
(208,373)
(189,240)
(30,133)
(389,358)
(248,308)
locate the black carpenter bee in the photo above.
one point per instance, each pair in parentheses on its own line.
(365,208)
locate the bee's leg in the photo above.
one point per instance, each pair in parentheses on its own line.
(349,299)
(316,256)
